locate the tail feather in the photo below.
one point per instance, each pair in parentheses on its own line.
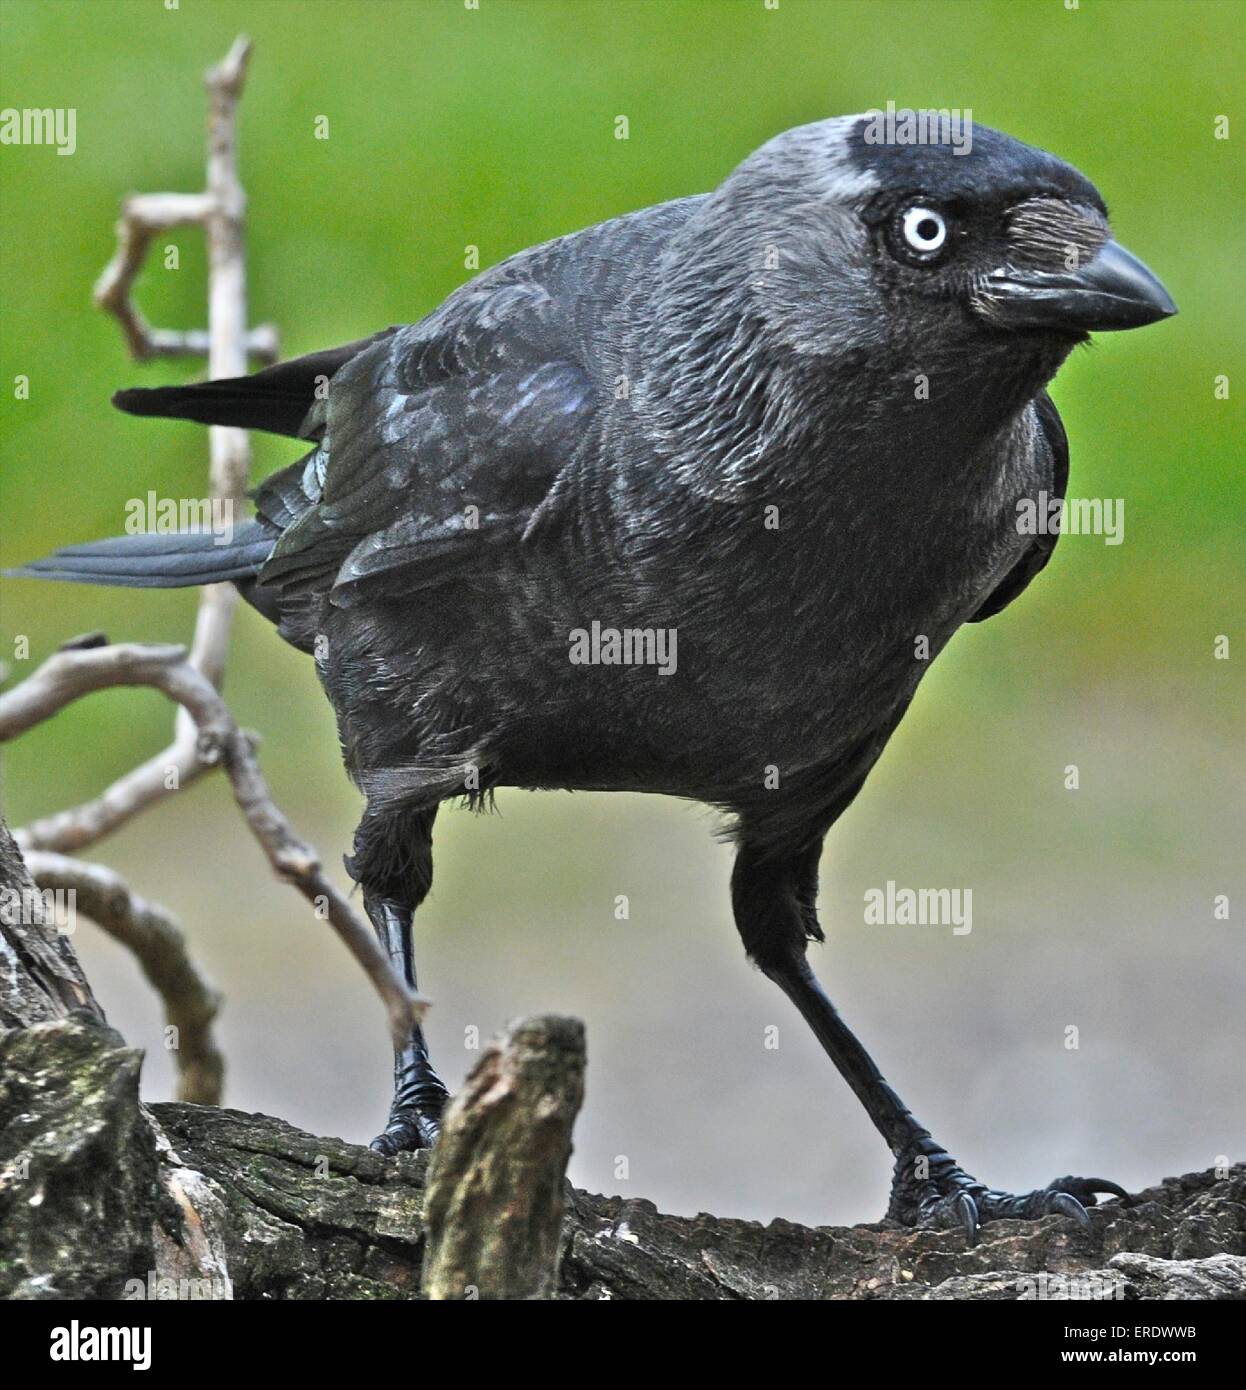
(175,561)
(230,401)
(276,399)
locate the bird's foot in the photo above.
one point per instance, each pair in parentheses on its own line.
(415,1114)
(407,1131)
(931,1190)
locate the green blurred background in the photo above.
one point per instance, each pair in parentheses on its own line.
(495,127)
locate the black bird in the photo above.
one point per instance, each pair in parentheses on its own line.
(766,439)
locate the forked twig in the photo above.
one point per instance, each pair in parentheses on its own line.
(220,210)
(205,732)
(69,674)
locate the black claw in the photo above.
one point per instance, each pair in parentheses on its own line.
(1068,1205)
(1085,1188)
(951,1198)
(968,1210)
(1111,1188)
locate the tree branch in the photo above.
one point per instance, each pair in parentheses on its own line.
(265,1211)
(70,674)
(143,215)
(205,732)
(153,936)
(220,211)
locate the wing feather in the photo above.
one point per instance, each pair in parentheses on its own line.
(1055,440)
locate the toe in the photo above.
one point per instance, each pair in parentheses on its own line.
(952,1211)
(1066,1205)
(407,1132)
(401,1136)
(967,1210)
(1085,1189)
(945,1197)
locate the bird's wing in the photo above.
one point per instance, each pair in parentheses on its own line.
(436,441)
(467,429)
(1054,440)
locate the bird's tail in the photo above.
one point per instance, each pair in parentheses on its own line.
(277,399)
(150,561)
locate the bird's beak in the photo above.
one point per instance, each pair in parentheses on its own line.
(1114,290)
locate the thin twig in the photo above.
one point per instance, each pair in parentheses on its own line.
(230,449)
(176,767)
(69,674)
(153,936)
(219,211)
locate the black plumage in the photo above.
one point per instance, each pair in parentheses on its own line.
(789,422)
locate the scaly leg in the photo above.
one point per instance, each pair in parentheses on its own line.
(419,1093)
(774,900)
(393,860)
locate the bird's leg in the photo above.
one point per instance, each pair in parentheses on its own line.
(393,860)
(419,1093)
(774,905)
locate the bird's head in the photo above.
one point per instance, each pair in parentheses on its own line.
(836,282)
(848,245)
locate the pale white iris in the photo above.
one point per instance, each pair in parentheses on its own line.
(924,229)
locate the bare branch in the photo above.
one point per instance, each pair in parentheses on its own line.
(70,674)
(79,826)
(154,937)
(143,216)
(220,211)
(230,449)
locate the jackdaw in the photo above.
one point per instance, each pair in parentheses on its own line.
(682,503)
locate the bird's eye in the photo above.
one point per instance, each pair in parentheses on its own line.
(923,231)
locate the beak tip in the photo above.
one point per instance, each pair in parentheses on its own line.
(1153,312)
(1141,298)
(1112,291)
(1165,310)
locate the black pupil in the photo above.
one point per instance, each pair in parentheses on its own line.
(927,229)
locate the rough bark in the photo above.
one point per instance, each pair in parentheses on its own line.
(40,977)
(77,1161)
(494,1204)
(245,1206)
